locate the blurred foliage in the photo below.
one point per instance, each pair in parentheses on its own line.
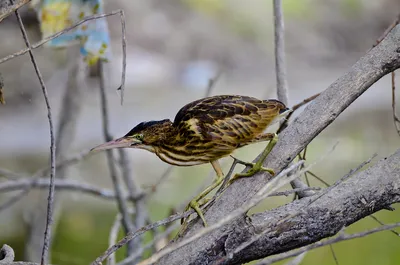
(351,7)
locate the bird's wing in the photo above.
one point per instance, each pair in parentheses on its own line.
(227,118)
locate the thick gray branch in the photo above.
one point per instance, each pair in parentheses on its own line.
(7,257)
(376,188)
(321,112)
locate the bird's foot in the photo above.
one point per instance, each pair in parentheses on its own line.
(258,166)
(196,205)
(200,199)
(255,168)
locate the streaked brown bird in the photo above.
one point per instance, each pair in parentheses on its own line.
(203,132)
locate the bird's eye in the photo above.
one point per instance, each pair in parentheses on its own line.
(139,136)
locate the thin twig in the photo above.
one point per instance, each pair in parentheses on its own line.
(297,260)
(318,178)
(8,174)
(20,181)
(280,64)
(212,82)
(296,190)
(14,199)
(113,237)
(61,164)
(339,238)
(149,245)
(162,179)
(62,184)
(123,28)
(114,234)
(93,17)
(55,35)
(396,119)
(334,255)
(139,203)
(2,100)
(294,108)
(132,235)
(49,219)
(281,77)
(122,204)
(388,29)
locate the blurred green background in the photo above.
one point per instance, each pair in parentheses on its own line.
(174,47)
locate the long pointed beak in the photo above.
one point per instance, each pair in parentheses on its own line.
(117,143)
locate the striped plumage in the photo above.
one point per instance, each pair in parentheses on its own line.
(208,129)
(204,131)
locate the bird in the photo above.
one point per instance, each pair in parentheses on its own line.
(204,131)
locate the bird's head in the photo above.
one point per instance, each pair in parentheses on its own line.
(145,135)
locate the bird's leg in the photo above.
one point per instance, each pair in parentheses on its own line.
(197,202)
(256,167)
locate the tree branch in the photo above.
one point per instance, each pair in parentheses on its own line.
(63,184)
(50,199)
(121,202)
(281,78)
(7,8)
(308,220)
(321,112)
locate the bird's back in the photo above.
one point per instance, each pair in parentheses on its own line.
(213,127)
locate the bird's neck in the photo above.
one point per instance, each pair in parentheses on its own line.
(165,133)
(170,132)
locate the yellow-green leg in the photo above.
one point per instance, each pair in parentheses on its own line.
(256,167)
(197,202)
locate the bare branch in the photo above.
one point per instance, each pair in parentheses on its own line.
(2,100)
(89,18)
(14,199)
(297,260)
(61,184)
(139,252)
(132,235)
(280,63)
(340,238)
(396,119)
(333,254)
(122,87)
(134,192)
(297,190)
(8,174)
(387,30)
(6,254)
(113,237)
(281,77)
(122,204)
(294,108)
(266,191)
(114,233)
(212,82)
(6,9)
(49,221)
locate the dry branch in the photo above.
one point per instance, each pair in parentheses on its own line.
(7,8)
(49,217)
(121,202)
(342,205)
(321,112)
